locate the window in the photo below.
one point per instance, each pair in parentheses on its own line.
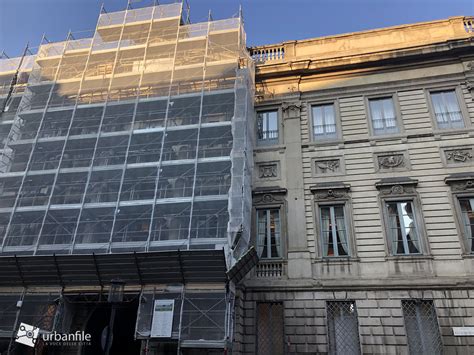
(402,229)
(269,233)
(467,221)
(421,326)
(267,127)
(333,218)
(343,328)
(270,328)
(383,116)
(333,231)
(446,109)
(324,122)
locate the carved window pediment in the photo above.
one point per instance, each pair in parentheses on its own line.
(461,182)
(269,196)
(329,192)
(396,187)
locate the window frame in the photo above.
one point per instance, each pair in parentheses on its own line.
(397,110)
(266,199)
(331,205)
(462,107)
(404,235)
(262,143)
(328,336)
(417,303)
(267,235)
(462,229)
(337,121)
(399,192)
(459,188)
(332,195)
(257,320)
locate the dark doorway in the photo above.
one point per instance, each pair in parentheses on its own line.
(124,329)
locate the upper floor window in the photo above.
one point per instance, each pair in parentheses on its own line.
(403,220)
(269,233)
(334,231)
(267,127)
(333,219)
(467,220)
(383,116)
(446,109)
(402,229)
(324,122)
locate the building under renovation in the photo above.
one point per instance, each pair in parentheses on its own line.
(125,184)
(166,192)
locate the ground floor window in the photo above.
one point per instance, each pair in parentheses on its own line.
(343,328)
(270,329)
(422,328)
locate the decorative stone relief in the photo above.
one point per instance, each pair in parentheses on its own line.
(327,166)
(463,185)
(291,109)
(333,192)
(269,196)
(458,155)
(387,162)
(268,171)
(396,188)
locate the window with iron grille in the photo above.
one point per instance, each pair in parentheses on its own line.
(343,328)
(467,222)
(422,328)
(446,109)
(383,116)
(269,233)
(267,127)
(402,228)
(324,122)
(270,329)
(333,230)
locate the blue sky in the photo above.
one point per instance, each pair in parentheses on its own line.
(266,21)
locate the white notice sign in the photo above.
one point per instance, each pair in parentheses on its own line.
(463,331)
(162,324)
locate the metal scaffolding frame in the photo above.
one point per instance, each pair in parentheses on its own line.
(143,121)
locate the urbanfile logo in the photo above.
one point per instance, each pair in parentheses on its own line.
(27,335)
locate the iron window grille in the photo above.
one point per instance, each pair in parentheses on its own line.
(270,329)
(343,328)
(267,127)
(383,116)
(422,327)
(324,122)
(446,109)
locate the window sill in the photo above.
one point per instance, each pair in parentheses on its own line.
(452,131)
(322,143)
(409,258)
(336,259)
(373,139)
(269,148)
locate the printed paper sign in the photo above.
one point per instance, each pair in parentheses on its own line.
(162,324)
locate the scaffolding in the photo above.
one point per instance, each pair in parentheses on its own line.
(133,138)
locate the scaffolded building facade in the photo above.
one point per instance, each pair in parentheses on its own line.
(134,142)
